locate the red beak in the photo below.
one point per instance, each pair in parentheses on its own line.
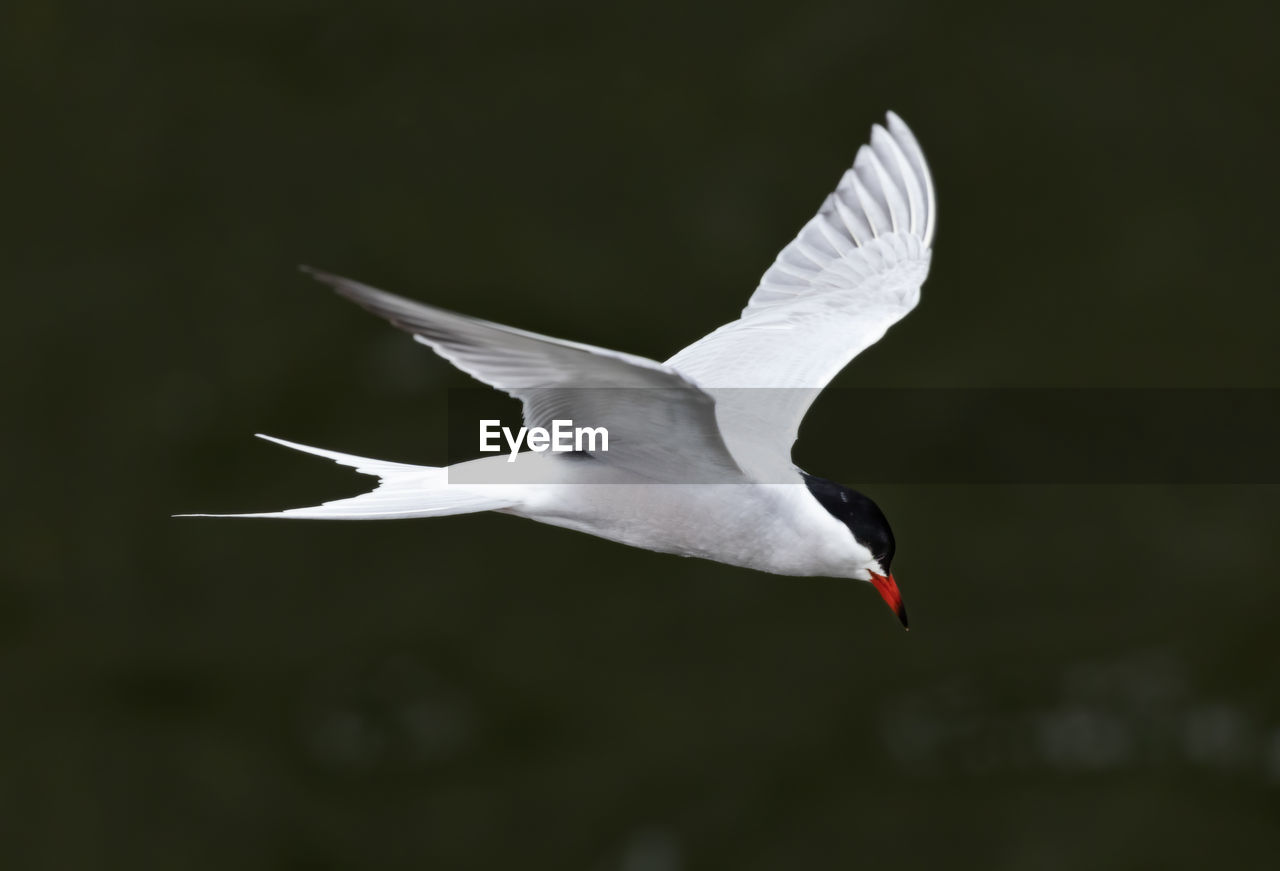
(888,590)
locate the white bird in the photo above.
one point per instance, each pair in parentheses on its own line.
(698,458)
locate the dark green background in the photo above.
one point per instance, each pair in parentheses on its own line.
(1090,680)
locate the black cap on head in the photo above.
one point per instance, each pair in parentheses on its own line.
(863,517)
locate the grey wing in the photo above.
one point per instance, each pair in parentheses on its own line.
(661,425)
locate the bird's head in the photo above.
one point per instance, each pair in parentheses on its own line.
(871,530)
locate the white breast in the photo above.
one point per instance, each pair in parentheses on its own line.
(777,528)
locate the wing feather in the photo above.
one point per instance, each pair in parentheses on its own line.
(852,272)
(661,425)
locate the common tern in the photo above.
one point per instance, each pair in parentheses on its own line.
(698,461)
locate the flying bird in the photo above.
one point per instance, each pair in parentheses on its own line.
(697,459)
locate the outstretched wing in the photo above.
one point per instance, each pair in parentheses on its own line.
(661,426)
(853,271)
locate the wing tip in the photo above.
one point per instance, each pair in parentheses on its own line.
(317,274)
(361,294)
(320,275)
(896,194)
(903,136)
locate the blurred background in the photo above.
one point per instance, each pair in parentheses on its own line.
(1090,679)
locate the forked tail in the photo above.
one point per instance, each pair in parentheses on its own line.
(403,491)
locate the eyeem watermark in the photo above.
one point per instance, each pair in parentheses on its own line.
(563,437)
(934,436)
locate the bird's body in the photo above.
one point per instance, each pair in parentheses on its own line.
(775,527)
(698,455)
